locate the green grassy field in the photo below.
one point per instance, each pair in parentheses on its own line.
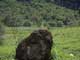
(66,42)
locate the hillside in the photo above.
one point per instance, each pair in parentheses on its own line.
(37,13)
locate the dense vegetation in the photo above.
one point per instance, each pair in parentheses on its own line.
(31,13)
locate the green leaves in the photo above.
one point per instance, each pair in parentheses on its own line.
(16,13)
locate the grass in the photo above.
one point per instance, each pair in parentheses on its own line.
(66,42)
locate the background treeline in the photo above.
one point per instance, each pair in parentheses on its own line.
(73,4)
(37,13)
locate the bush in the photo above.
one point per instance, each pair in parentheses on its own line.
(52,24)
(12,22)
(60,24)
(27,24)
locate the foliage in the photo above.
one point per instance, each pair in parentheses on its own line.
(17,13)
